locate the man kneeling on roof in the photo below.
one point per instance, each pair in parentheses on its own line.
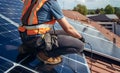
(38,19)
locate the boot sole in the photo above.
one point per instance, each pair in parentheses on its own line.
(47,62)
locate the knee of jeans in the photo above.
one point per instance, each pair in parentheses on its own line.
(81,47)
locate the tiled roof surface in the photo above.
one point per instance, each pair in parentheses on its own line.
(77,16)
(102,65)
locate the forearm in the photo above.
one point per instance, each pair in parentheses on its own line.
(69,28)
(73,32)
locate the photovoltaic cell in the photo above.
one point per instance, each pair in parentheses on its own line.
(19,69)
(4,65)
(11,9)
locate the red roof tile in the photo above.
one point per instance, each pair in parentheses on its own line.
(100,64)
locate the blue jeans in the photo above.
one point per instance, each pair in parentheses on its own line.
(67,45)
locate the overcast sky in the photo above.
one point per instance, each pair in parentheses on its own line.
(91,4)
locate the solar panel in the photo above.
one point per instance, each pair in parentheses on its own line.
(100,44)
(11,9)
(10,12)
(7,66)
(4,65)
(19,69)
(72,63)
(9,38)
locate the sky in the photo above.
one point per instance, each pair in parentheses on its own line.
(90,4)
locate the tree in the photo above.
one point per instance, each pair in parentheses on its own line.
(102,11)
(117,11)
(81,8)
(109,9)
(97,11)
(92,12)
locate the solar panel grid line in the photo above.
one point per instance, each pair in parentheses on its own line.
(9,69)
(81,68)
(3,67)
(9,20)
(62,67)
(17,39)
(1,70)
(102,54)
(89,71)
(12,68)
(14,65)
(78,22)
(81,27)
(9,31)
(95,37)
(74,60)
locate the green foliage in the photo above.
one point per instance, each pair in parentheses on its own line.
(81,8)
(102,11)
(117,11)
(92,12)
(97,11)
(109,9)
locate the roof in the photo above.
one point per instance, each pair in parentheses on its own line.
(99,64)
(112,16)
(107,33)
(101,17)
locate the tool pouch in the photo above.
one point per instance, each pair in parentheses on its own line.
(51,41)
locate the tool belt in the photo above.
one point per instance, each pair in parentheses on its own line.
(36,29)
(50,40)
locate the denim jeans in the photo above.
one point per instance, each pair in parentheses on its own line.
(67,45)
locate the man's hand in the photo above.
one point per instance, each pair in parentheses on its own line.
(82,39)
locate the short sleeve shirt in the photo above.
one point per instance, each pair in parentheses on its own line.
(49,10)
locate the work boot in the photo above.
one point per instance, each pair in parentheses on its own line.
(48,60)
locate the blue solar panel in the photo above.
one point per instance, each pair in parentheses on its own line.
(9,39)
(71,63)
(19,69)
(4,65)
(10,12)
(11,9)
(100,44)
(7,66)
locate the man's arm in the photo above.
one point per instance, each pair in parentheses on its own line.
(69,28)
